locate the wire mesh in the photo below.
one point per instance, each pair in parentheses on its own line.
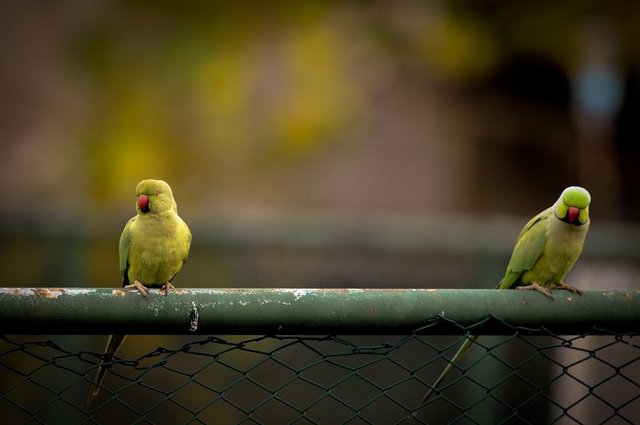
(304,379)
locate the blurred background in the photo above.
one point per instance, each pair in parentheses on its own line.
(316,144)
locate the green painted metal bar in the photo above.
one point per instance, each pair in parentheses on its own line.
(313,311)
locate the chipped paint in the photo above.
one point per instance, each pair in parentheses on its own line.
(299,293)
(118,292)
(194,318)
(18,292)
(51,293)
(79,292)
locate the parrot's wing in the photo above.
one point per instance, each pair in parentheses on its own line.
(125,244)
(187,241)
(184,236)
(528,249)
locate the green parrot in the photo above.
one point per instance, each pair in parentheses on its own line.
(546,249)
(153,247)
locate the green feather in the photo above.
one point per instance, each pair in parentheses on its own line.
(123,249)
(528,249)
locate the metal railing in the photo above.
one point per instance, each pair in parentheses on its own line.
(320,356)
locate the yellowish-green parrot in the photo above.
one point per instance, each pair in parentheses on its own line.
(153,247)
(546,249)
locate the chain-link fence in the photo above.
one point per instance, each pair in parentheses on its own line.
(522,375)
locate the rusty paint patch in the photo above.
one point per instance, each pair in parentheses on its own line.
(627,296)
(431,290)
(118,292)
(181,292)
(23,292)
(52,293)
(569,299)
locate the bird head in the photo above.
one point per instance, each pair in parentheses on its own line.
(573,206)
(154,197)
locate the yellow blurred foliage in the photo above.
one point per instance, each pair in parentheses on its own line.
(456,48)
(131,140)
(319,97)
(231,103)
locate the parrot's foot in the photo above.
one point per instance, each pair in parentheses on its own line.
(569,288)
(536,286)
(140,287)
(166,287)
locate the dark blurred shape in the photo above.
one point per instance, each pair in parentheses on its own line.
(534,78)
(628,142)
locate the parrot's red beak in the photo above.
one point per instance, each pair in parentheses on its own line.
(143,203)
(573,214)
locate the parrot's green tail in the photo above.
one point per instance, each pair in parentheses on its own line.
(456,358)
(113,344)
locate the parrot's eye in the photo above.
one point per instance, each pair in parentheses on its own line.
(157,193)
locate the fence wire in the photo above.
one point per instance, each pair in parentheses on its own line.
(302,379)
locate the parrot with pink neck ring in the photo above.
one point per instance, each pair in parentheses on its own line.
(546,249)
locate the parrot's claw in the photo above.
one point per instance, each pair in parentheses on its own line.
(536,286)
(569,288)
(140,287)
(166,287)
